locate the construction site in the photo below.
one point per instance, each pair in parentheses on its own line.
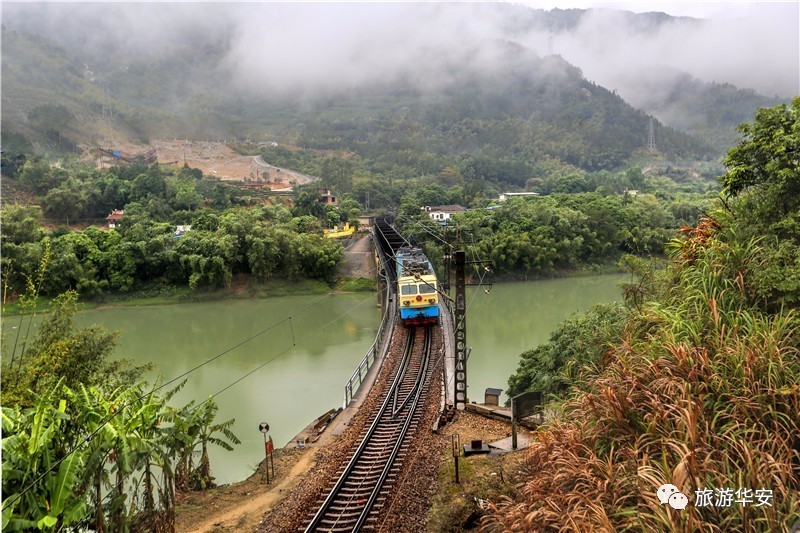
(213,158)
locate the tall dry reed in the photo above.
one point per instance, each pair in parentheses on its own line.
(702,391)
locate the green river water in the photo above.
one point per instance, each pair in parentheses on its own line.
(310,358)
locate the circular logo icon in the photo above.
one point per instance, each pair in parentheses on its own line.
(678,500)
(665,491)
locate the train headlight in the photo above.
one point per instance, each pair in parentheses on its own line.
(431,300)
(406,302)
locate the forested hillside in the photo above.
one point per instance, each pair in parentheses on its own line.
(710,111)
(528,111)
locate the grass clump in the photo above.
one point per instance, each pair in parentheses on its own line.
(702,390)
(356,285)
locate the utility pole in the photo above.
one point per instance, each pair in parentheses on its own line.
(458,306)
(461,331)
(446,262)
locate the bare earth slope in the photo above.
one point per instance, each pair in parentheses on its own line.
(215,159)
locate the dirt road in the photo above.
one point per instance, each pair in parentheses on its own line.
(359,259)
(241,506)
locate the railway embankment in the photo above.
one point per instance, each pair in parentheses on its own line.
(431,497)
(425,491)
(420,486)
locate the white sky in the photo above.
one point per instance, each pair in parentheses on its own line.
(318,44)
(717,10)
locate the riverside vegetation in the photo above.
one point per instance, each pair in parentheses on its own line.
(86,442)
(695,382)
(722,310)
(60,387)
(712,337)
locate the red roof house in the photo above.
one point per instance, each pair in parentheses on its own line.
(114,218)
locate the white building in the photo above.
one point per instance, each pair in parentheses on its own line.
(180,230)
(506,195)
(442,213)
(114,218)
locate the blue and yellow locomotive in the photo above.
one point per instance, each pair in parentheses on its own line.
(416,288)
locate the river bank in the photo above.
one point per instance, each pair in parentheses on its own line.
(443,504)
(243,286)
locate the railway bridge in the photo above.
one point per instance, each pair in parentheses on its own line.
(400,390)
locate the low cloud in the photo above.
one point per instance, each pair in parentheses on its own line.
(760,52)
(308,48)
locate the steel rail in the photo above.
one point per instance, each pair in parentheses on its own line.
(416,393)
(397,435)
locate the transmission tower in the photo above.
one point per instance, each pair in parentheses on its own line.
(651,137)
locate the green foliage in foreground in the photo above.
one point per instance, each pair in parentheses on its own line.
(763,183)
(579,343)
(64,390)
(700,389)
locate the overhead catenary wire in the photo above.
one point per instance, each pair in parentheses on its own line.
(481,275)
(94,433)
(419,223)
(416,276)
(246,375)
(225,388)
(90,436)
(85,440)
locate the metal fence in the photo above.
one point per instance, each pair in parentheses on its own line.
(387,324)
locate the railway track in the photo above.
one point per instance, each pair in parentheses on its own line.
(355,501)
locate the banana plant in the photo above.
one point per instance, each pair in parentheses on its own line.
(33,441)
(208,433)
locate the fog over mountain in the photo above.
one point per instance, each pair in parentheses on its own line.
(291,48)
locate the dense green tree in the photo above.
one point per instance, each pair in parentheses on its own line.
(763,189)
(767,158)
(337,173)
(21,249)
(148,184)
(578,344)
(186,197)
(64,204)
(308,203)
(40,177)
(11,164)
(264,254)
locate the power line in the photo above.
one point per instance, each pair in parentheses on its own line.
(420,224)
(230,385)
(110,417)
(91,435)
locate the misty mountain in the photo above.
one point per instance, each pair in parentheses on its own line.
(525,107)
(311,49)
(528,109)
(710,111)
(513,83)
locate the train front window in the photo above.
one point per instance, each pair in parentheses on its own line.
(427,288)
(408,290)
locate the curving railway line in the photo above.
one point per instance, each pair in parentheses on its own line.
(355,501)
